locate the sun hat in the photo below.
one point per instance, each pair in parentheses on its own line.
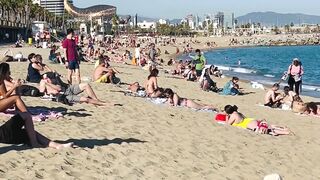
(295,59)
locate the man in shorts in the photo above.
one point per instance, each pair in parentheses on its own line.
(70,52)
(53,85)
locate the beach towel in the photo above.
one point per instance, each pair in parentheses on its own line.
(135,94)
(38,114)
(283,107)
(157,100)
(256,85)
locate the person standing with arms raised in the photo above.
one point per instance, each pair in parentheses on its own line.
(70,52)
(200,61)
(295,72)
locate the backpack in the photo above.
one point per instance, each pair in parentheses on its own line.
(26,90)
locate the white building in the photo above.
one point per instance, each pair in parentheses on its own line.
(147,25)
(162,21)
(53,6)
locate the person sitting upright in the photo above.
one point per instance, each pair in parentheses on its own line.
(7,99)
(272,98)
(151,84)
(231,87)
(103,73)
(288,96)
(34,68)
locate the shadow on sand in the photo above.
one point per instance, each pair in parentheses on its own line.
(63,110)
(82,143)
(91,143)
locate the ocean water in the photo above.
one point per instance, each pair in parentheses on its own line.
(267,64)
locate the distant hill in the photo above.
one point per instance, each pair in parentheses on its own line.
(272,18)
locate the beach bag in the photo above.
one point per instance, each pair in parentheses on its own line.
(26,90)
(297,78)
(221,117)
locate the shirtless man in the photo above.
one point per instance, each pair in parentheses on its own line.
(151,84)
(272,99)
(103,74)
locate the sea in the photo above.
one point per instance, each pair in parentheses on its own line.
(266,65)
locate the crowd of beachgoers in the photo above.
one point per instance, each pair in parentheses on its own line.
(47,83)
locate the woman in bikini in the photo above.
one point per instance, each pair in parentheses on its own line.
(151,85)
(175,100)
(237,119)
(8,100)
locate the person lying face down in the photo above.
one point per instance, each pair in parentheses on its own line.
(20,130)
(237,119)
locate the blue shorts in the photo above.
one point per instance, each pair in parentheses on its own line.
(73,65)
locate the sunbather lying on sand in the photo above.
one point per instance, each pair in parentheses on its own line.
(310,108)
(54,86)
(175,100)
(237,119)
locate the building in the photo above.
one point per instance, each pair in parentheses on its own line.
(163,21)
(147,25)
(229,21)
(53,6)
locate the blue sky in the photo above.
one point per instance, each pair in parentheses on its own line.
(180,8)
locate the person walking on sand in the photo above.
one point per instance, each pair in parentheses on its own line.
(153,53)
(70,53)
(295,72)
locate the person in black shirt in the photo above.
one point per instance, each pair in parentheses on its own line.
(12,132)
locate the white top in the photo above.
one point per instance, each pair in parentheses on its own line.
(137,53)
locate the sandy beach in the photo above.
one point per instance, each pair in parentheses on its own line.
(143,140)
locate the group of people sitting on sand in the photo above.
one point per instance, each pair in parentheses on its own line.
(290,100)
(19,129)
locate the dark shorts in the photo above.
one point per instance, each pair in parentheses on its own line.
(73,65)
(12,133)
(72,93)
(199,72)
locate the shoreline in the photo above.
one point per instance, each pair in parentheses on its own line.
(248,81)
